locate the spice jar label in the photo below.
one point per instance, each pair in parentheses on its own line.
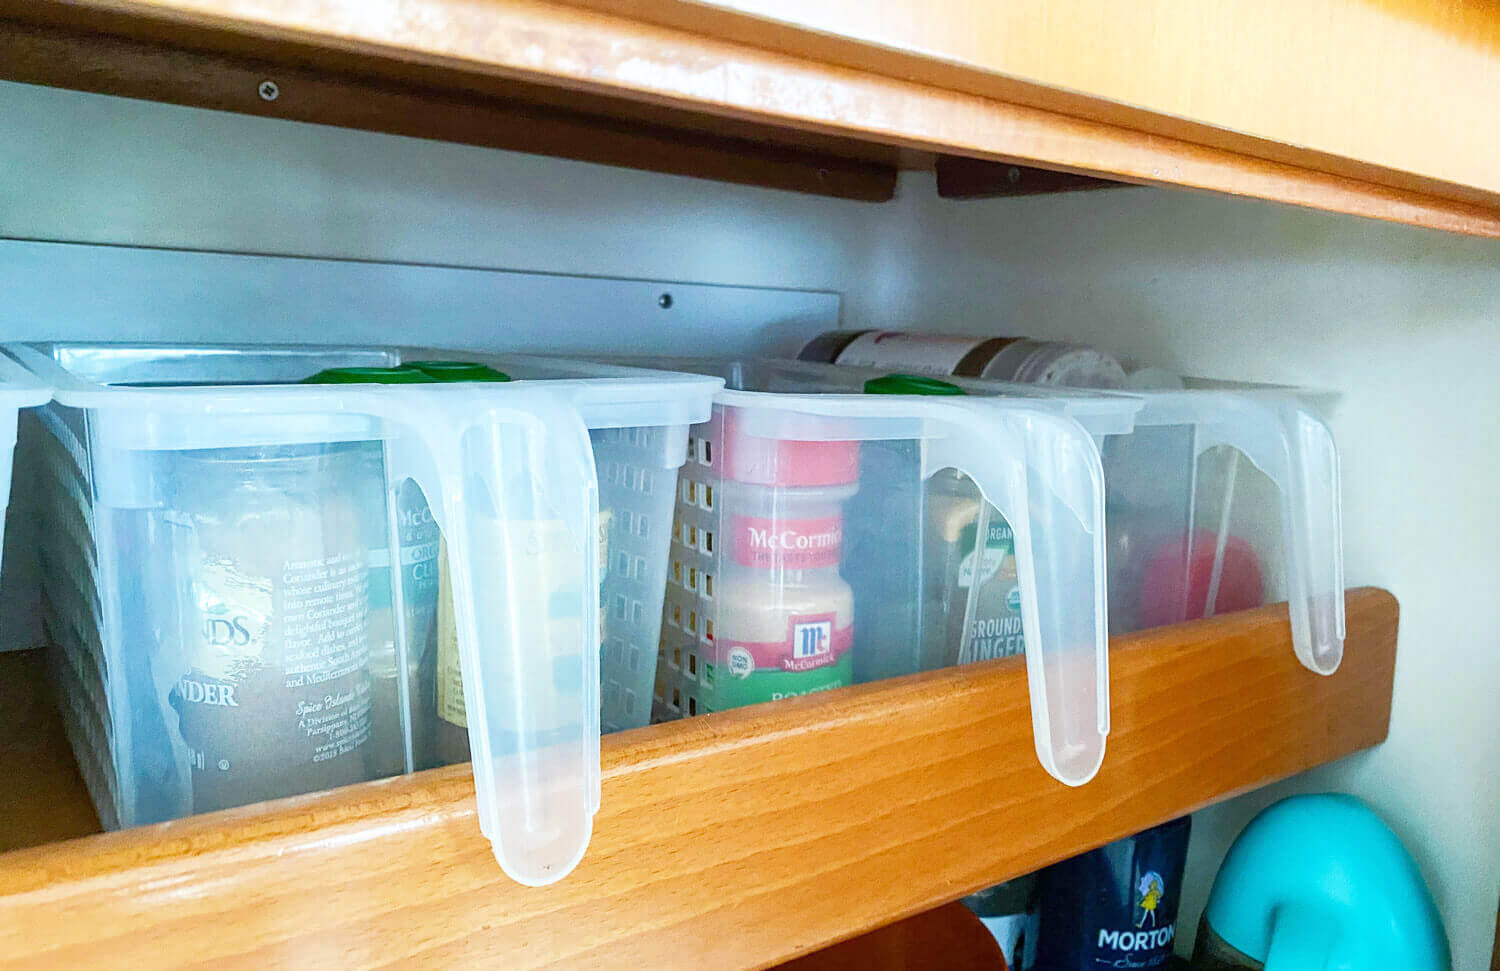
(922,353)
(814,656)
(450,678)
(793,544)
(999,548)
(996,630)
(546,570)
(278,684)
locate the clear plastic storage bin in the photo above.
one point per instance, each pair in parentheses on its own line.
(1219,496)
(811,547)
(252,581)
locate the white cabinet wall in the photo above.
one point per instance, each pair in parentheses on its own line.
(1404,322)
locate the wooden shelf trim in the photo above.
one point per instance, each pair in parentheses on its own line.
(950,938)
(972,178)
(515,117)
(1389,92)
(593,53)
(742,838)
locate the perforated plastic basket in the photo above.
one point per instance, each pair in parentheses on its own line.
(18,389)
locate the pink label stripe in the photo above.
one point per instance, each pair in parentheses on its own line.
(795,544)
(812,642)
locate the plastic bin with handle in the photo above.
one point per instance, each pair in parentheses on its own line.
(214,526)
(1219,496)
(799,560)
(1224,498)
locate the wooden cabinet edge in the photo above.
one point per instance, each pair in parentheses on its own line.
(601,53)
(515,118)
(750,24)
(879,796)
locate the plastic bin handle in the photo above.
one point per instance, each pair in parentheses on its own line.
(510,478)
(1042,471)
(1295,449)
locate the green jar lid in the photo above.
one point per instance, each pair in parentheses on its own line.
(911,384)
(457,371)
(369,375)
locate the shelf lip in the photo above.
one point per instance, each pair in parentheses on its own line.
(748,837)
(700,66)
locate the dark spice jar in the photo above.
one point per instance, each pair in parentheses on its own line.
(274,692)
(1114,907)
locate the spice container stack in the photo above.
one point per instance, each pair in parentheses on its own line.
(759,610)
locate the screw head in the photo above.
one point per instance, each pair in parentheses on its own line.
(664,301)
(1013,175)
(268,91)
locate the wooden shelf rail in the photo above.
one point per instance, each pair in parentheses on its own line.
(653,83)
(734,840)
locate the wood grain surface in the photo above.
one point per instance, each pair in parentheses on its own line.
(517,117)
(972,178)
(738,839)
(946,938)
(700,63)
(1351,86)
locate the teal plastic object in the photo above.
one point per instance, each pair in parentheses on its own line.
(1320,883)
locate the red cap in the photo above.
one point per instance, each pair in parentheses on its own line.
(786,462)
(1175,585)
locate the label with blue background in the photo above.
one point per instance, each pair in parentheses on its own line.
(1114,907)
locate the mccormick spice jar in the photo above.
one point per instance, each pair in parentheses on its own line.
(785,615)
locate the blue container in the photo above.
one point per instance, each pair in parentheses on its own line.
(1114,907)
(1320,882)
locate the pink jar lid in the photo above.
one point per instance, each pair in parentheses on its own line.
(787,462)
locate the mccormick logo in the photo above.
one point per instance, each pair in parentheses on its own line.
(1150,889)
(798,544)
(811,639)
